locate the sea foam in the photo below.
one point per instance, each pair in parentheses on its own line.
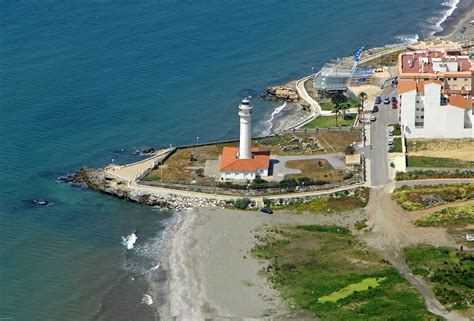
(129,241)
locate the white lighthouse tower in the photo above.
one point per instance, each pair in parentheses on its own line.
(245,113)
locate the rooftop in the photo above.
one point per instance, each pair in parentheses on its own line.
(231,163)
(423,62)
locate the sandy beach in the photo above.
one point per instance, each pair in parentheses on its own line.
(461,17)
(212,274)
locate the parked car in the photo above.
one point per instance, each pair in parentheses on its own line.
(266,210)
(378,100)
(390,133)
(372,118)
(390,148)
(394,99)
(386,101)
(394,105)
(376,109)
(390,142)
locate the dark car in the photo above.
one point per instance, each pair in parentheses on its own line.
(386,101)
(376,109)
(378,100)
(266,210)
(394,99)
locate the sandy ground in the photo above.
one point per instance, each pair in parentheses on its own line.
(461,17)
(451,148)
(212,274)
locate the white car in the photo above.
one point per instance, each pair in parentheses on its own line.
(372,118)
(390,133)
(390,143)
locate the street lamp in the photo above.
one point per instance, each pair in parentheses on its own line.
(248,189)
(312,70)
(197,140)
(302,186)
(113,164)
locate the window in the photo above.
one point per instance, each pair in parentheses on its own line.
(418,109)
(422,117)
(422,109)
(455,79)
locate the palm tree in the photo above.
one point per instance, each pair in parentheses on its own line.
(360,108)
(337,112)
(344,108)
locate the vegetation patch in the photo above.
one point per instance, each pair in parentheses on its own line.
(427,174)
(363,285)
(328,105)
(437,162)
(412,198)
(330,121)
(307,264)
(337,202)
(397,145)
(396,129)
(456,215)
(449,272)
(316,169)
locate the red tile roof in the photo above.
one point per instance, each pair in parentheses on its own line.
(405,86)
(411,61)
(464,102)
(231,163)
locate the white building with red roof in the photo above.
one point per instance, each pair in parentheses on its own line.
(436,93)
(244,162)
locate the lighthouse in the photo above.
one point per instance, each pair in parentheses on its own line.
(245,114)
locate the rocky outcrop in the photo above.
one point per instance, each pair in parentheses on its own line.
(286,93)
(99,180)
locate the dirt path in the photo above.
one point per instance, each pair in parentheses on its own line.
(391,231)
(416,214)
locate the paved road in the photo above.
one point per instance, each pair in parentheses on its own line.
(377,137)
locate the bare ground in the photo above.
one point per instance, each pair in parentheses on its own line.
(449,148)
(391,231)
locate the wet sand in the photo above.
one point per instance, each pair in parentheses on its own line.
(460,18)
(288,117)
(212,273)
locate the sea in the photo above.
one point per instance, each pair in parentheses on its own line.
(89,82)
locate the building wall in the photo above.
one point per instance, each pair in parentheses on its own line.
(243,175)
(438,121)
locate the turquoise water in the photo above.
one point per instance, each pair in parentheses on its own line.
(81,80)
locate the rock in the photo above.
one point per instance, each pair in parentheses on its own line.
(148,150)
(286,93)
(290,148)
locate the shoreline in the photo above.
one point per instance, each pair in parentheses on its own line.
(460,17)
(218,288)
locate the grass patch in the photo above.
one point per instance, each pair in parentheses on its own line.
(397,145)
(456,215)
(319,262)
(412,198)
(396,129)
(328,105)
(363,285)
(338,202)
(450,273)
(324,228)
(426,174)
(440,162)
(330,121)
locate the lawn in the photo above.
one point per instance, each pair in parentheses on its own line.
(449,273)
(328,105)
(327,271)
(413,198)
(451,216)
(440,162)
(330,121)
(316,169)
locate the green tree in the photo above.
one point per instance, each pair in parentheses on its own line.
(338,99)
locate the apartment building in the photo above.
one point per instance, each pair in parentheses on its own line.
(436,93)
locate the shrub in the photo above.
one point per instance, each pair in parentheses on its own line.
(242,203)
